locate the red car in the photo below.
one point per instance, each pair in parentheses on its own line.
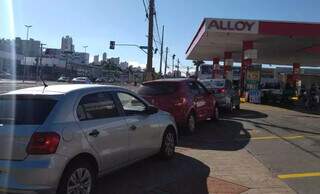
(186,99)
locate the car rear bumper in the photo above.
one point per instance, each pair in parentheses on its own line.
(35,174)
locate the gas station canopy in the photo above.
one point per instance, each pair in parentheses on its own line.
(275,42)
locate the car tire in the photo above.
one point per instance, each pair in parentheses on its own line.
(168,145)
(216,113)
(191,124)
(72,171)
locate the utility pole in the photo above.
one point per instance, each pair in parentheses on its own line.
(187,74)
(26,48)
(166,62)
(173,57)
(150,41)
(161,51)
(178,66)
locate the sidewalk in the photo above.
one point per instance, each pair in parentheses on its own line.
(235,172)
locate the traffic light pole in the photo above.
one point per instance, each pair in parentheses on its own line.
(150,42)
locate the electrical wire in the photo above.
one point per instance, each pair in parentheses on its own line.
(145,8)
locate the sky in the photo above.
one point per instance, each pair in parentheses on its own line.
(95,22)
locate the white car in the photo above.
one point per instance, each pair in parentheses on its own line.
(81,80)
(60,139)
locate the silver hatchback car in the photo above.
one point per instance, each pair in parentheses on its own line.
(60,139)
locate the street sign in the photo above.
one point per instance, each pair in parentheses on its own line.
(143,47)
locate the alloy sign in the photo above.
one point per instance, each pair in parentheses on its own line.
(235,26)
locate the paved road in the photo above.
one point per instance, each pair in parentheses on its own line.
(285,141)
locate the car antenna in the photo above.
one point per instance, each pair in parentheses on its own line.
(44,83)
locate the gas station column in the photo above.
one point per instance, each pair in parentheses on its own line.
(227,67)
(245,63)
(296,74)
(216,68)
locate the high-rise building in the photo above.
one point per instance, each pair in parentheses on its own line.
(124,65)
(115,61)
(104,56)
(96,59)
(67,44)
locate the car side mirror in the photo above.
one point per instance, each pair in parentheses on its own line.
(151,110)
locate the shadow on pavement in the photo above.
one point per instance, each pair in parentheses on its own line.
(260,125)
(223,135)
(298,107)
(246,114)
(181,175)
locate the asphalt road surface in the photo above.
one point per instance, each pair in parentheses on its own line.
(285,141)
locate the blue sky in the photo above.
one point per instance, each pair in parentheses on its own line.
(96,22)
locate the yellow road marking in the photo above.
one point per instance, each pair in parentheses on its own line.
(272,137)
(277,137)
(299,175)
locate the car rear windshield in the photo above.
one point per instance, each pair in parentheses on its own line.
(25,110)
(158,88)
(213,84)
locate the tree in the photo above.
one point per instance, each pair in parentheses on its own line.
(197,63)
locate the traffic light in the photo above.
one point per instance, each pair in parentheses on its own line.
(112,45)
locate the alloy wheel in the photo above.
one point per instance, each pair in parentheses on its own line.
(80,182)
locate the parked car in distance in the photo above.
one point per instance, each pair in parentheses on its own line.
(81,80)
(5,75)
(63,79)
(186,99)
(226,95)
(72,134)
(101,80)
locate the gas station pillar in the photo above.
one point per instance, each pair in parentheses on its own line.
(216,68)
(245,63)
(227,67)
(296,75)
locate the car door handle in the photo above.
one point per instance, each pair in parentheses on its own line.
(133,127)
(94,133)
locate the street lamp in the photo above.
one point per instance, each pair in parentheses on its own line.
(25,57)
(85,48)
(39,62)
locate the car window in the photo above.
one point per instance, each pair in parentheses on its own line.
(131,105)
(13,109)
(97,106)
(218,83)
(202,88)
(194,88)
(158,88)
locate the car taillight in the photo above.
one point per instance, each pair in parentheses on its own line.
(43,143)
(221,90)
(180,101)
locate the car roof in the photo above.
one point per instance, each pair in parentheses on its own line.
(58,89)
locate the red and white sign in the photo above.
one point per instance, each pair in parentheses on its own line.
(235,26)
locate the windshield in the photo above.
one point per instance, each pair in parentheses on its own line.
(213,84)
(158,88)
(24,110)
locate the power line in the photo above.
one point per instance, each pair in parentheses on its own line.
(157,26)
(145,8)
